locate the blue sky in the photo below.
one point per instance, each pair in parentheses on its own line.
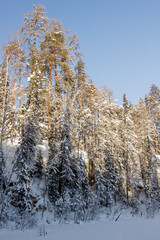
(120,39)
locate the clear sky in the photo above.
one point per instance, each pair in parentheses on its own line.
(120,39)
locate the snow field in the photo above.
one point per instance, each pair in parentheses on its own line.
(122,229)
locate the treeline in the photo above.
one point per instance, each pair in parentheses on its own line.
(99,153)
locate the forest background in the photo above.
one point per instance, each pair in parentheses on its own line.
(76,151)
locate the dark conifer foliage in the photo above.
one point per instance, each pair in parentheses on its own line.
(2,170)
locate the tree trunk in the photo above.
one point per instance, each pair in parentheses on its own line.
(4,103)
(14,100)
(49,95)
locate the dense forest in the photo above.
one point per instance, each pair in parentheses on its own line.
(72,151)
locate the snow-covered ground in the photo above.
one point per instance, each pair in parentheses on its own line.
(123,229)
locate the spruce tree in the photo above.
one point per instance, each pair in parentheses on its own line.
(24,170)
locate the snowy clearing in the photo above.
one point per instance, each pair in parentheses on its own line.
(123,229)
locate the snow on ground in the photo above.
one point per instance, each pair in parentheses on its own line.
(122,229)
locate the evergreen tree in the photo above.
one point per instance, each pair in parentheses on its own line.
(16,57)
(3,183)
(24,169)
(39,166)
(61,164)
(53,51)
(110,181)
(33,29)
(67,180)
(5,101)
